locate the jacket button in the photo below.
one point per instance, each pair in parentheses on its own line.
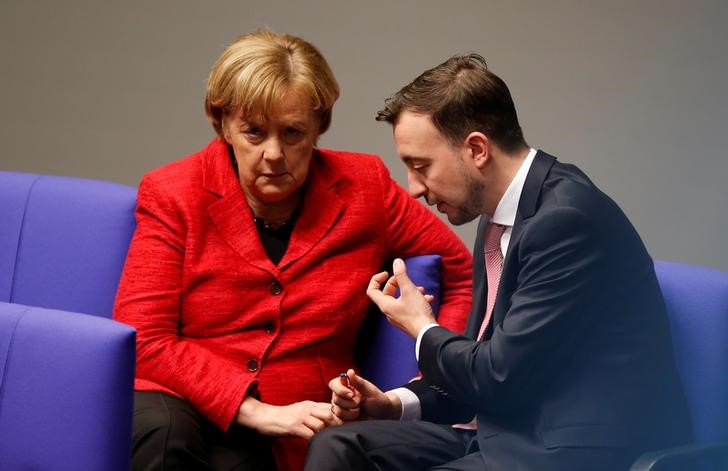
(269,327)
(252,365)
(276,288)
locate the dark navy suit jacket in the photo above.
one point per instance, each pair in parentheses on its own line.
(576,370)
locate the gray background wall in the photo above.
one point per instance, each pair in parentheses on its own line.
(631,91)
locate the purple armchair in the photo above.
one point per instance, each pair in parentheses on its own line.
(66,382)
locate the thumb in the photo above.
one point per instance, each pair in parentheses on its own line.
(400,273)
(364,387)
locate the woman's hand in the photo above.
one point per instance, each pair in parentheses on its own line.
(300,419)
(357,398)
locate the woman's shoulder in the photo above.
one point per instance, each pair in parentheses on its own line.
(186,171)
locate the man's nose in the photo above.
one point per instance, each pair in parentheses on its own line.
(416,187)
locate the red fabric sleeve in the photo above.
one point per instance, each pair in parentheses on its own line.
(149,300)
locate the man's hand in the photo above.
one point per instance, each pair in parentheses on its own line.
(356,398)
(300,419)
(411,311)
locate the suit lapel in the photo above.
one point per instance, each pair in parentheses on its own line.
(231,213)
(527,206)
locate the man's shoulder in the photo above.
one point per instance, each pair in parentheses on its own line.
(567,185)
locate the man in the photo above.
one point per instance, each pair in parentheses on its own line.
(566,363)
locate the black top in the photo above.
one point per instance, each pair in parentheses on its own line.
(274,239)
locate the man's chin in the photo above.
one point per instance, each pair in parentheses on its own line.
(458,218)
(454,216)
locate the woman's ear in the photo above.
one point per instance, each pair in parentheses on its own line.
(478,145)
(224,128)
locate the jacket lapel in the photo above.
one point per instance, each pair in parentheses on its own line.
(231,213)
(527,206)
(322,207)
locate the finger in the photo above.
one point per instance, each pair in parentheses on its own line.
(376,280)
(374,288)
(346,415)
(378,297)
(343,403)
(314,423)
(429,298)
(304,431)
(339,389)
(364,387)
(390,288)
(324,413)
(400,272)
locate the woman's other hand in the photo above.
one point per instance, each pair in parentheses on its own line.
(300,419)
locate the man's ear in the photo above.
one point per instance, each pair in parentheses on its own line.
(478,145)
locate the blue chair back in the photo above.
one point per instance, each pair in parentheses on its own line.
(697,304)
(63,241)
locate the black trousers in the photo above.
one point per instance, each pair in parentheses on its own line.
(391,445)
(169,434)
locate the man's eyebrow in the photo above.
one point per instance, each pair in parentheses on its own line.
(410,159)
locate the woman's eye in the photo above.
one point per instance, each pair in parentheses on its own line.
(293,135)
(253,133)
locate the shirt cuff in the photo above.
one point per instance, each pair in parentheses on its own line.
(424,329)
(410,404)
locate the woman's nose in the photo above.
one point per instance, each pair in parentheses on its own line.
(273,149)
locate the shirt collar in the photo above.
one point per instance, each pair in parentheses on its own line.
(505,212)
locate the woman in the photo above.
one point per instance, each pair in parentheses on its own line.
(246,276)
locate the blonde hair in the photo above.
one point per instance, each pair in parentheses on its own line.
(254,72)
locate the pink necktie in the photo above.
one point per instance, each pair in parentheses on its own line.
(493,268)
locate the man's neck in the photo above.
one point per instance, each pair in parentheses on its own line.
(505,167)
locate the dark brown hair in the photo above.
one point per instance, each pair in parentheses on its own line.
(461,96)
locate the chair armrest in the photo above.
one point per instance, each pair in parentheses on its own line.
(708,456)
(66,390)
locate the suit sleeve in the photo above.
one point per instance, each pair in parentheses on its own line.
(560,279)
(149,300)
(412,229)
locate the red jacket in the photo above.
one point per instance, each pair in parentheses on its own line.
(217,320)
